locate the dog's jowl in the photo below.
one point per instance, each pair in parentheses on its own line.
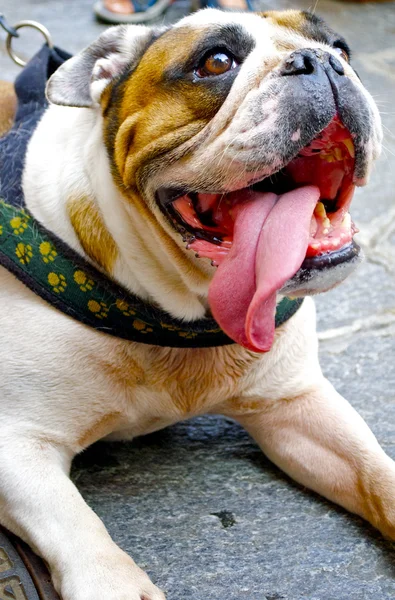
(206,171)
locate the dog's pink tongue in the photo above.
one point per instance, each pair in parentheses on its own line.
(271,235)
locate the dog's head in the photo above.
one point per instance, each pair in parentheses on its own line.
(244,135)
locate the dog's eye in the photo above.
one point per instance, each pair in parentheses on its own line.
(345,54)
(216,63)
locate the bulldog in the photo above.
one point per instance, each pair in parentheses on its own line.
(207,168)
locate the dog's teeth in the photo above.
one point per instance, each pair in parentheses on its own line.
(346,223)
(320,210)
(350,147)
(338,154)
(326,223)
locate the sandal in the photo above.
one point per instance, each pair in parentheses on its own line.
(130,11)
(228,5)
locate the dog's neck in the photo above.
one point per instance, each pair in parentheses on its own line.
(68,186)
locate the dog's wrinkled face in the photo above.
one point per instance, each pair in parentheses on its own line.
(245,135)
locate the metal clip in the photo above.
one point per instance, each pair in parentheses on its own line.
(10,30)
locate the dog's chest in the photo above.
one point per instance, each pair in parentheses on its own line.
(182,381)
(153,387)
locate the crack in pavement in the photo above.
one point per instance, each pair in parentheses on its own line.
(382,324)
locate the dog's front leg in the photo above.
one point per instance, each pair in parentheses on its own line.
(39,503)
(320,440)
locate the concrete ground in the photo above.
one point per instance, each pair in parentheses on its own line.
(198,506)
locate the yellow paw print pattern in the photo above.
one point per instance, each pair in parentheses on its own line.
(20,224)
(99,309)
(58,282)
(169,327)
(47,252)
(82,279)
(188,335)
(141,326)
(125,308)
(24,252)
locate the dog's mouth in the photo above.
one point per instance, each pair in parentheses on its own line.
(261,236)
(206,221)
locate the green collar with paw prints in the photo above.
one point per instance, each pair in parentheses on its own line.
(63,278)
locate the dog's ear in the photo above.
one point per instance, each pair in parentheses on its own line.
(81,80)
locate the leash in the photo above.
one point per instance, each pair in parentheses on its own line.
(12,32)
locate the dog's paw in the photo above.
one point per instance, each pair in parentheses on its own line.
(107,577)
(113,590)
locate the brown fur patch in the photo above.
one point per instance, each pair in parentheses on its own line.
(103,426)
(194,377)
(292,19)
(303,23)
(91,231)
(122,369)
(241,406)
(7,106)
(154,111)
(371,495)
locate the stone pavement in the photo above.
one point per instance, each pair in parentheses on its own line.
(198,506)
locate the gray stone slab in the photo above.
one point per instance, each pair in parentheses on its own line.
(198,505)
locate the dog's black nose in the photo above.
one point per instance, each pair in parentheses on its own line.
(309,60)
